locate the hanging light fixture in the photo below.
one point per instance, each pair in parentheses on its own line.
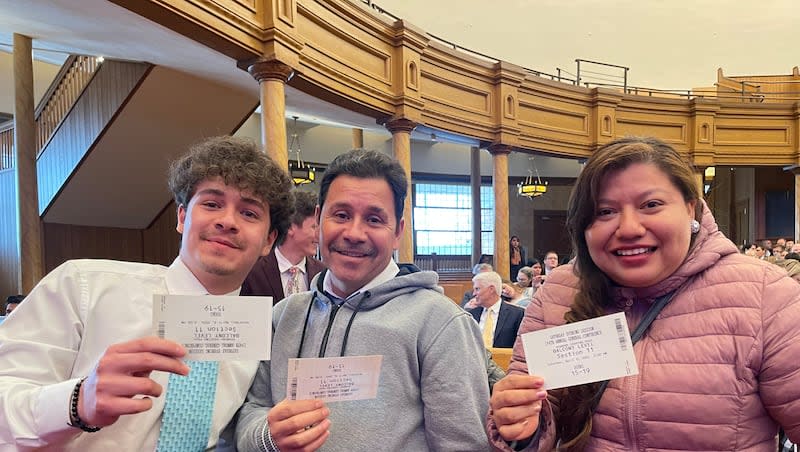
(300,171)
(531,187)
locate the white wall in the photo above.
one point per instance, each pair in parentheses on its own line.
(43,75)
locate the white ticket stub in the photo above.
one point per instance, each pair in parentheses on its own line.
(334,379)
(216,328)
(581,352)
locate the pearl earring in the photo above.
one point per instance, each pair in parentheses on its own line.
(695,226)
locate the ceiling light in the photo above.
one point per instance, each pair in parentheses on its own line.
(530,187)
(300,172)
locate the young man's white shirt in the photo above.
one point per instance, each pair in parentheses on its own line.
(65,325)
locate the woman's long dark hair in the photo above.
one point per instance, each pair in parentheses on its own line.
(573,407)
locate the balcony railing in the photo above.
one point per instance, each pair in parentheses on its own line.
(75,75)
(444,263)
(55,105)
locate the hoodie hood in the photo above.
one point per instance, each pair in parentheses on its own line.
(408,279)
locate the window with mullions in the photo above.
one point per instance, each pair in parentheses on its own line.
(443,219)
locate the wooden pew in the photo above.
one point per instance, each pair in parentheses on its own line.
(502,356)
(454,290)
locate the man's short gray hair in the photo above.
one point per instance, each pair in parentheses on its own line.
(490,279)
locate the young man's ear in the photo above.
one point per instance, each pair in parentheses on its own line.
(270,240)
(181,218)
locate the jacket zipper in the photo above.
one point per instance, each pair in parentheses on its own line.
(324,344)
(631,395)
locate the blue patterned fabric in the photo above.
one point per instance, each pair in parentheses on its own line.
(188,409)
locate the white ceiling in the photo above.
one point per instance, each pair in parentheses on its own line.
(64,26)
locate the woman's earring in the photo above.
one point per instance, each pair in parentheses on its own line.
(695,226)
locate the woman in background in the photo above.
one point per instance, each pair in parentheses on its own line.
(518,255)
(718,367)
(525,281)
(538,278)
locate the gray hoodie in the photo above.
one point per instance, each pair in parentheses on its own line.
(432,394)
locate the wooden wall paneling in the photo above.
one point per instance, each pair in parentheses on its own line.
(778,88)
(758,135)
(347,55)
(555,117)
(458,92)
(235,28)
(505,111)
(66,241)
(112,85)
(345,49)
(603,117)
(9,252)
(160,241)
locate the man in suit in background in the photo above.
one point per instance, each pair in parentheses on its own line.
(550,263)
(290,266)
(468,300)
(12,302)
(498,321)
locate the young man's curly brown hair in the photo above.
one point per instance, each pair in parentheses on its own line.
(239,163)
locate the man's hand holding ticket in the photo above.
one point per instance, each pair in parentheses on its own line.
(581,352)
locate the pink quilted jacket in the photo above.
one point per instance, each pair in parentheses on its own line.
(719,367)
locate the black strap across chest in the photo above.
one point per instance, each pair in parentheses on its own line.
(658,306)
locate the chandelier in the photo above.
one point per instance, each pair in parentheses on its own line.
(299,170)
(531,187)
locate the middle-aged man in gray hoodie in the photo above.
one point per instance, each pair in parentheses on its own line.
(432,393)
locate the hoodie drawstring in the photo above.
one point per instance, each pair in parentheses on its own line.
(335,309)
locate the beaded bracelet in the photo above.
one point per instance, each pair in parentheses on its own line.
(74,419)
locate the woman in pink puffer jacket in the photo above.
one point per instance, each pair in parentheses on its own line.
(719,368)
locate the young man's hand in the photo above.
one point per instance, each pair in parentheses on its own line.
(124,372)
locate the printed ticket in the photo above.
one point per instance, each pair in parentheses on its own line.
(216,328)
(581,352)
(334,379)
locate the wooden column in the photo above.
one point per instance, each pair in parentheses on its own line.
(500,184)
(272,77)
(358,138)
(701,136)
(475,183)
(401,146)
(699,179)
(28,223)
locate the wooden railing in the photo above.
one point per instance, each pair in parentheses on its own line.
(7,145)
(58,100)
(443,263)
(65,90)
